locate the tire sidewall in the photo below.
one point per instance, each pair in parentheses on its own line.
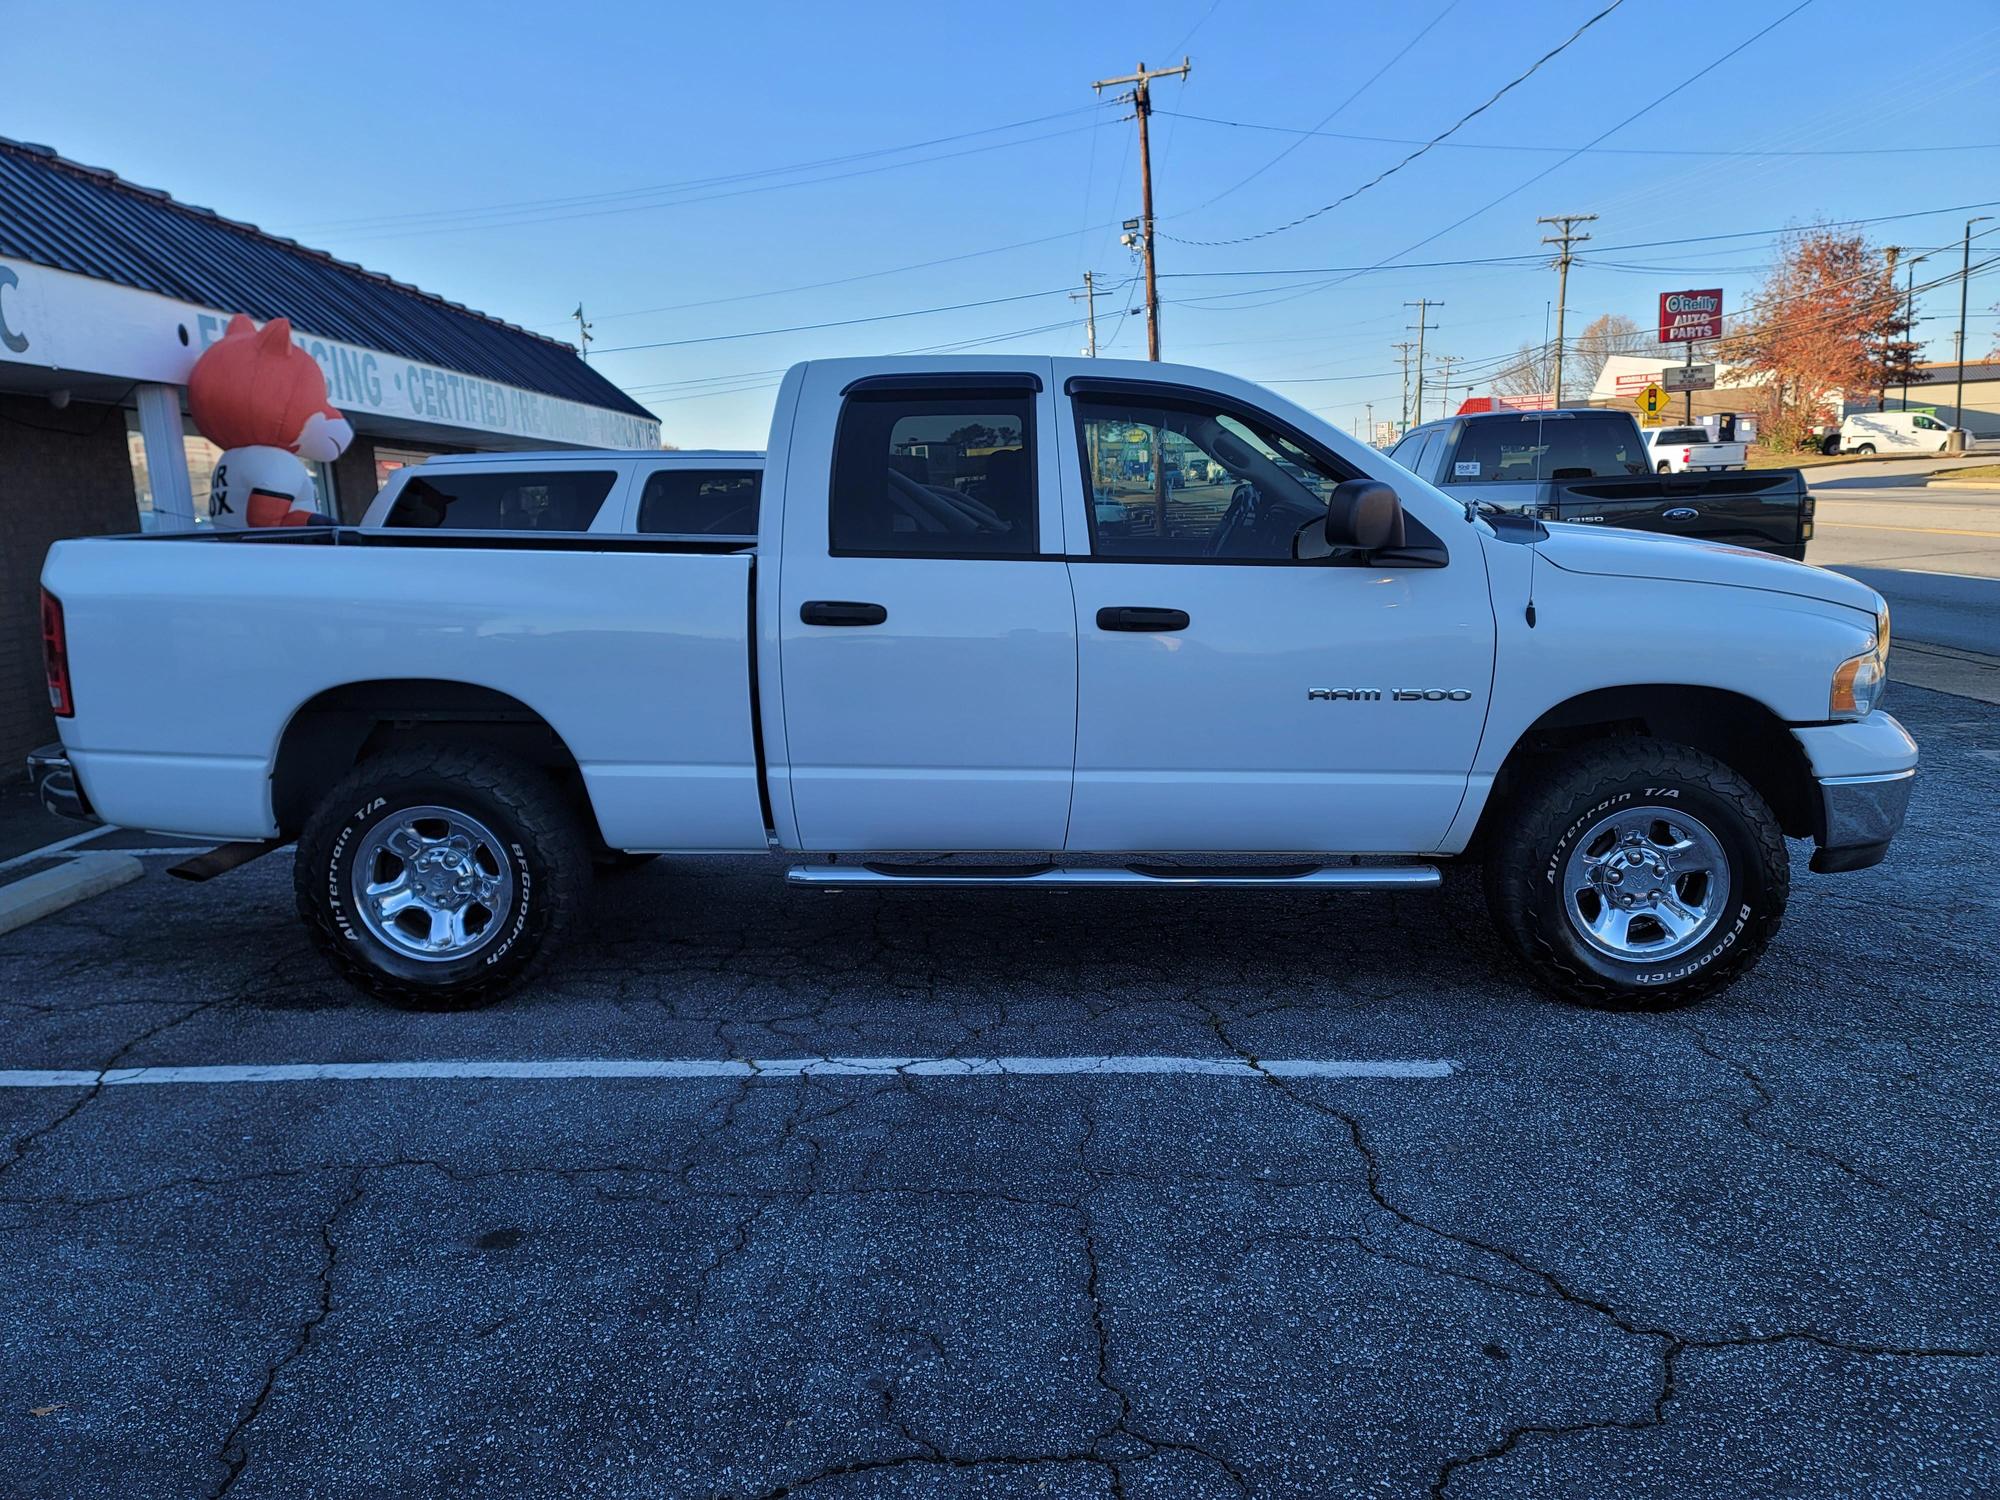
(501,955)
(1753,902)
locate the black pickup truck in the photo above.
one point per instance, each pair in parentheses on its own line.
(1590,465)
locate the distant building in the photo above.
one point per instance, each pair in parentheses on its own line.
(1932,390)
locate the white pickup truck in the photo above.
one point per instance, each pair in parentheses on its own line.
(1021,609)
(1690,450)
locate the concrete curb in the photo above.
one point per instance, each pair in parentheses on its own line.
(1936,483)
(40,894)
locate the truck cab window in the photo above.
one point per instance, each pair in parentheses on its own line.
(920,472)
(1532,448)
(1173,480)
(701,502)
(560,500)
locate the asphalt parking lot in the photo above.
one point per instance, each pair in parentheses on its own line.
(1751,1249)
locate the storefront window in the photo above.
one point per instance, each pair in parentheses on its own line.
(201,460)
(389,460)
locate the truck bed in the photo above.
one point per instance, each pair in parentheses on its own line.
(192,653)
(1768,509)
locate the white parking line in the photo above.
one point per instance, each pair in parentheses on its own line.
(534,1070)
(50,851)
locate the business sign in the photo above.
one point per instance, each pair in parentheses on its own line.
(1688,316)
(59,321)
(1688,377)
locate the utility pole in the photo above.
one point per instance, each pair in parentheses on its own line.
(1567,237)
(1444,378)
(1142,107)
(1368,437)
(1423,305)
(582,332)
(1088,297)
(1403,422)
(1910,318)
(1964,281)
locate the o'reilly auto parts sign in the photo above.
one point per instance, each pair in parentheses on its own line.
(1688,316)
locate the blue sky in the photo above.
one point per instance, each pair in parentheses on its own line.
(518,158)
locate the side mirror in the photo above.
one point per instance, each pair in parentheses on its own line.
(1364,513)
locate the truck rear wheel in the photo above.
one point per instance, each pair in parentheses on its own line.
(435,877)
(1641,875)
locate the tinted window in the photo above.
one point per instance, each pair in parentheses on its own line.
(701,502)
(1532,447)
(1171,479)
(1420,461)
(922,472)
(1682,435)
(1405,452)
(476,501)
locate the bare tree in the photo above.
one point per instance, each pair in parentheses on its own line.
(1532,372)
(1605,335)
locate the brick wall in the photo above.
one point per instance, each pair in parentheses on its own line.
(62,473)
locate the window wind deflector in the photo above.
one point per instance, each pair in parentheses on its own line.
(969,381)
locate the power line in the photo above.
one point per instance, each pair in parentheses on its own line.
(1331,114)
(1427,146)
(687,183)
(682,202)
(1493,203)
(1744,153)
(915,312)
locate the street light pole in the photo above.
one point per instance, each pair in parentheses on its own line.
(1964,281)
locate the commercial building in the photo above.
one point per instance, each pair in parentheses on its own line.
(110,291)
(1935,388)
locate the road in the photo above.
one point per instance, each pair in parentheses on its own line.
(1747,1250)
(1933,553)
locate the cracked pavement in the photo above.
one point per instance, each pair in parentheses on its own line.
(1749,1249)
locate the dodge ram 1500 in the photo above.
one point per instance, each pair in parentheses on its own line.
(1020,608)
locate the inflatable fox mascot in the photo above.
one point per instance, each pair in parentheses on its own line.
(262,399)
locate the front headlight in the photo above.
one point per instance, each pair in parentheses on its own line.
(1859,681)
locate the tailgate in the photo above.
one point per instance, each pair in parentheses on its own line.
(1768,510)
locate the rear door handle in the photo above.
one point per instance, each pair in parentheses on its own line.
(841,612)
(1135,617)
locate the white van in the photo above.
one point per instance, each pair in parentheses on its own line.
(696,496)
(1892,432)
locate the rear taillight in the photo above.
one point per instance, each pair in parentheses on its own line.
(55,652)
(1687,455)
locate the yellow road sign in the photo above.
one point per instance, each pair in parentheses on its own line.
(1653,399)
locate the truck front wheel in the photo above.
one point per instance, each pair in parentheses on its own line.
(1640,875)
(436,876)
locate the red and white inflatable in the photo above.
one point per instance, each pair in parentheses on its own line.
(262,399)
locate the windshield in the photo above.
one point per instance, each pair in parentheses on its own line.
(1535,446)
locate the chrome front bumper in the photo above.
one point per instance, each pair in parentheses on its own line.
(1858,817)
(56,784)
(1863,772)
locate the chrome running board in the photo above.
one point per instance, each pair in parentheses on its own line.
(1056,877)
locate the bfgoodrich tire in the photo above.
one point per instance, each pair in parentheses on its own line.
(436,877)
(1638,875)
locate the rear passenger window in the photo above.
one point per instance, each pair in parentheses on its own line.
(920,472)
(701,502)
(473,501)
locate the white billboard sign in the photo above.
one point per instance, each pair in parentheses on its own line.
(59,321)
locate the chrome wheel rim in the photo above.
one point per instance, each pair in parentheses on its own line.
(432,883)
(1646,883)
